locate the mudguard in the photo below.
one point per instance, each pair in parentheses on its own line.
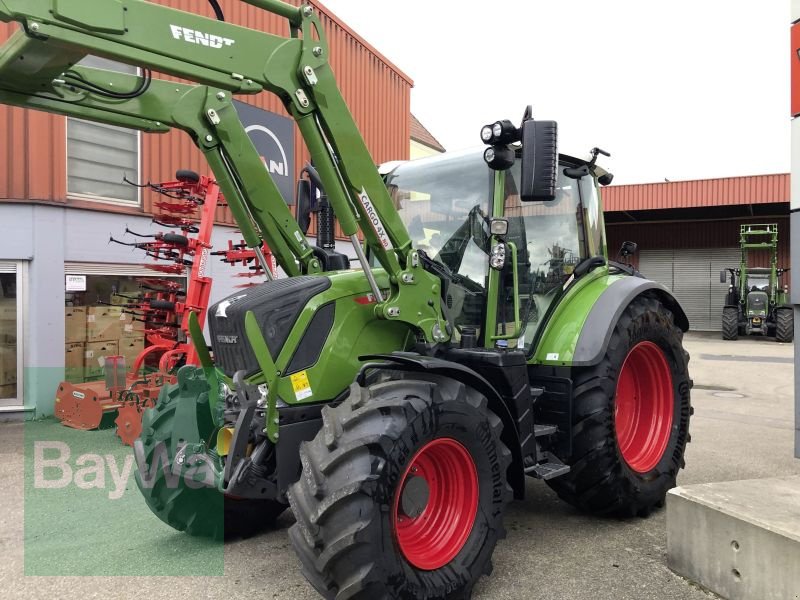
(605,313)
(578,334)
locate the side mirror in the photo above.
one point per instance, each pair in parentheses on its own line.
(539,160)
(304,205)
(628,249)
(723,276)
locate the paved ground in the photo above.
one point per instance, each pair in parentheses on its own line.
(742,429)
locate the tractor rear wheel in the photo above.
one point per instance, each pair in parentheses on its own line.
(730,323)
(200,512)
(630,418)
(784,325)
(402,492)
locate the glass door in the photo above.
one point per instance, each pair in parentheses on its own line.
(10,333)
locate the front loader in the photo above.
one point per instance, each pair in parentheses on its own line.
(399,406)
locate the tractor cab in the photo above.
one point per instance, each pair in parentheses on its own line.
(450,204)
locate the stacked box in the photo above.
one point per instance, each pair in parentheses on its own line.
(73,361)
(8,321)
(74,324)
(8,309)
(106,323)
(8,364)
(130,348)
(95,355)
(8,332)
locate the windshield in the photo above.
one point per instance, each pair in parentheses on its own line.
(444,203)
(758,283)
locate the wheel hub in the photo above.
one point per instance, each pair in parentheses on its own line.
(435,504)
(644,404)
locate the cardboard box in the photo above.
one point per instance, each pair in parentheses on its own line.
(105,323)
(8,364)
(8,309)
(74,324)
(73,361)
(8,331)
(130,348)
(8,391)
(131,329)
(94,357)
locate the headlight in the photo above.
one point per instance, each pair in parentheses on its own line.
(499,158)
(497,258)
(486,134)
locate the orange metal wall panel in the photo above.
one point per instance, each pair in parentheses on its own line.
(32,151)
(755,189)
(32,145)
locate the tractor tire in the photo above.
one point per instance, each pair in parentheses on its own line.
(201,512)
(730,323)
(784,325)
(402,492)
(630,417)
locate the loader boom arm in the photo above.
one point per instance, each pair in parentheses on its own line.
(223,59)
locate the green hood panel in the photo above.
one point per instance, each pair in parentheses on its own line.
(356,331)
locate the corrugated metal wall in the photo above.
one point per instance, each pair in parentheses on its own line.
(32,154)
(693,276)
(756,189)
(32,145)
(697,234)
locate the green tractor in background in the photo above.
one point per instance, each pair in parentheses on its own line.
(756,302)
(484,337)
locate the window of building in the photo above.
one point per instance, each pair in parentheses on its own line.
(99,156)
(100,320)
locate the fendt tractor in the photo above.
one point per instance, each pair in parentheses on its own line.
(756,303)
(482,336)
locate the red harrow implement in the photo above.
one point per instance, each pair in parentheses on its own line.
(162,307)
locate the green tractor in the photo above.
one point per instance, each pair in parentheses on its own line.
(484,336)
(756,302)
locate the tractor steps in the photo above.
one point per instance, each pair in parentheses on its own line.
(548,469)
(543,430)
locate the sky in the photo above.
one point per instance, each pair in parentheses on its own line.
(673,90)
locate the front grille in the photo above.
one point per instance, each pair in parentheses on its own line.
(276,306)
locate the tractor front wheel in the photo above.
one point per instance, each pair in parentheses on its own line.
(630,421)
(784,325)
(730,323)
(402,492)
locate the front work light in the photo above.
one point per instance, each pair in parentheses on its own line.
(499,227)
(500,132)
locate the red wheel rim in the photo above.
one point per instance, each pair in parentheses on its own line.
(431,536)
(644,405)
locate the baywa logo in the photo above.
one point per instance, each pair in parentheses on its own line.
(374,219)
(192,36)
(275,167)
(55,468)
